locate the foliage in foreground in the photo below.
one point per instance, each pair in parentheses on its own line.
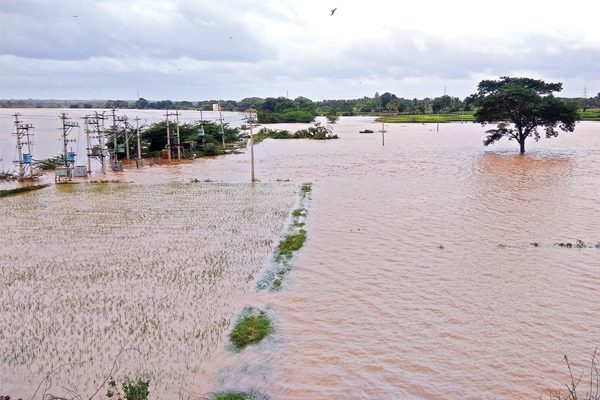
(24,189)
(593,393)
(50,163)
(251,329)
(132,390)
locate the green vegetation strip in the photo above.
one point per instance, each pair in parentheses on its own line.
(24,189)
(236,395)
(251,329)
(428,118)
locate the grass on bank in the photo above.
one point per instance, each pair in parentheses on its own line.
(237,395)
(250,329)
(428,118)
(592,114)
(10,192)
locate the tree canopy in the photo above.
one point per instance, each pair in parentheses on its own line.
(520,106)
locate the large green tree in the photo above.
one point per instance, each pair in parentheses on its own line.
(521,106)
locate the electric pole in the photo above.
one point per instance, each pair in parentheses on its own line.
(139,148)
(87,138)
(250,120)
(222,131)
(66,127)
(168,135)
(178,138)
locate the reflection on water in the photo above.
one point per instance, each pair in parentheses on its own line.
(418,279)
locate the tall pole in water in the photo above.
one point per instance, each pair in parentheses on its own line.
(178,139)
(102,144)
(168,136)
(19,145)
(87,138)
(222,131)
(126,140)
(250,120)
(382,131)
(63,117)
(139,148)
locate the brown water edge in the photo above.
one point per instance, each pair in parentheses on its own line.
(377,310)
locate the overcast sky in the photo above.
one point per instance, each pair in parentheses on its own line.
(232,49)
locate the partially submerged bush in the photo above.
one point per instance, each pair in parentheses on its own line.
(251,329)
(132,390)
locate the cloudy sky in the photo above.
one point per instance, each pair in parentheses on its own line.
(231,49)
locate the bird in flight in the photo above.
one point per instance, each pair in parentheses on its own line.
(332,11)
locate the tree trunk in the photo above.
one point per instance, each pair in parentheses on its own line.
(522,138)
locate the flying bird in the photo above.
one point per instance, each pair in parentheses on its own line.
(75,16)
(332,11)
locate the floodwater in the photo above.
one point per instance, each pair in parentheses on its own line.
(419,280)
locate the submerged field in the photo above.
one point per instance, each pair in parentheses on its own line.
(153,271)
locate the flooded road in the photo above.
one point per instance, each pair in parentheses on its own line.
(430,270)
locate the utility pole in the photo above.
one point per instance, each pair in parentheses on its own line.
(250,120)
(178,139)
(19,146)
(168,135)
(222,131)
(87,138)
(382,132)
(66,127)
(126,140)
(101,137)
(139,148)
(115,133)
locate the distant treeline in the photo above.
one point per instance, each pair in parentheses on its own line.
(282,109)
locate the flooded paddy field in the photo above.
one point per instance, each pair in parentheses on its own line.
(431,268)
(90,270)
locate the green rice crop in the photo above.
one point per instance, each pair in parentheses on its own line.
(89,270)
(294,240)
(24,189)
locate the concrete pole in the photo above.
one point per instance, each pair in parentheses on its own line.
(139,148)
(222,130)
(29,151)
(178,139)
(19,146)
(126,141)
(89,150)
(168,136)
(102,145)
(252,146)
(63,117)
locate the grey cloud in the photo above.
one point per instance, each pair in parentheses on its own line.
(33,29)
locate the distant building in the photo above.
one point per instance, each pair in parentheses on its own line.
(216,107)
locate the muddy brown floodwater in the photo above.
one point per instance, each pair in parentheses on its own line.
(419,278)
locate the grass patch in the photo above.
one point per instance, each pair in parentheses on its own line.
(236,395)
(591,115)
(299,213)
(250,330)
(24,189)
(293,242)
(428,118)
(230,396)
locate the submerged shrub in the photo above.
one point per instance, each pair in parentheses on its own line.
(250,330)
